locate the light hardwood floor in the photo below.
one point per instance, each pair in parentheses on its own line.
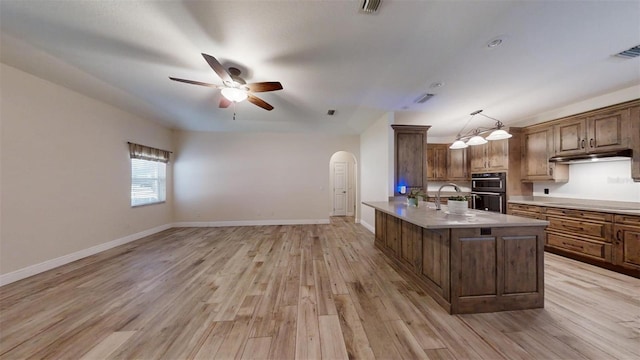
(305,291)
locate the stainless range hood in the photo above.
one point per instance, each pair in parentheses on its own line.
(585,158)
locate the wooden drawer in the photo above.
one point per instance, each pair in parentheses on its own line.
(579,214)
(527,214)
(591,248)
(627,219)
(525,207)
(597,230)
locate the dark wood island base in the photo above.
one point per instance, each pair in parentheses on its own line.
(468,269)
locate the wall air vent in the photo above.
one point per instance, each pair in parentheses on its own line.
(370,6)
(423,98)
(629,53)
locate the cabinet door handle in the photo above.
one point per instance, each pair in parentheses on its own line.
(619,236)
(551,170)
(582,144)
(592,143)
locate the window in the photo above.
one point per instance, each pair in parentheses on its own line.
(148,174)
(148,182)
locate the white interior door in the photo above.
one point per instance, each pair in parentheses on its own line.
(340,177)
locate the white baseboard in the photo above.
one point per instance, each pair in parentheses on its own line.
(250,223)
(367,226)
(62,260)
(28,271)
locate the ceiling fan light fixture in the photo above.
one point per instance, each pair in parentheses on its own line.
(458,144)
(499,135)
(234,94)
(477,140)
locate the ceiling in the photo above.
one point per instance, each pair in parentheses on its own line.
(328,55)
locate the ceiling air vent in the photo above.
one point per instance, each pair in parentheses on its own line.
(370,6)
(630,53)
(423,98)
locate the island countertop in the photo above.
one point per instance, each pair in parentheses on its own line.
(428,217)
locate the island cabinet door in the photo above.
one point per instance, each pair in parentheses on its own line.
(380,229)
(411,239)
(392,234)
(434,266)
(497,269)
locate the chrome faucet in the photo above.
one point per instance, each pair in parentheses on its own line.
(440,190)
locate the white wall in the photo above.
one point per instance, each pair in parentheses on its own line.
(251,178)
(376,166)
(607,180)
(65,179)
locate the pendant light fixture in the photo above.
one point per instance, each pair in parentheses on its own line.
(473,138)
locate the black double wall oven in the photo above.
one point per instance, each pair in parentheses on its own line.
(489,192)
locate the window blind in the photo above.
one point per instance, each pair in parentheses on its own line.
(148,174)
(137,151)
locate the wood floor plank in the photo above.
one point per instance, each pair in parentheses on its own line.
(308,333)
(283,345)
(356,341)
(257,348)
(107,346)
(305,291)
(332,343)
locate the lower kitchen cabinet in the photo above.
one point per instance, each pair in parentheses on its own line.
(604,239)
(627,241)
(392,234)
(434,267)
(584,232)
(411,244)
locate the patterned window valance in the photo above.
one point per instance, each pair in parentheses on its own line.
(137,151)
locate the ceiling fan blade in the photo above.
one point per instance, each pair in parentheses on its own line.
(265,86)
(257,101)
(195,82)
(218,68)
(224,102)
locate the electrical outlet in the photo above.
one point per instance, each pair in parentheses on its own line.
(546,191)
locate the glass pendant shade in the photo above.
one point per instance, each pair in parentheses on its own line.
(499,135)
(234,94)
(458,144)
(477,140)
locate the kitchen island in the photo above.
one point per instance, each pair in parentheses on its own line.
(472,263)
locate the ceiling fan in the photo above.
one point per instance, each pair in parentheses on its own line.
(234,88)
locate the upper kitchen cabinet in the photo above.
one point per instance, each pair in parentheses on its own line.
(492,156)
(437,162)
(458,165)
(444,164)
(601,131)
(410,145)
(537,148)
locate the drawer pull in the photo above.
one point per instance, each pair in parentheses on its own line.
(573,246)
(574,228)
(582,143)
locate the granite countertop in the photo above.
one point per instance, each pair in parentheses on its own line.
(428,217)
(615,207)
